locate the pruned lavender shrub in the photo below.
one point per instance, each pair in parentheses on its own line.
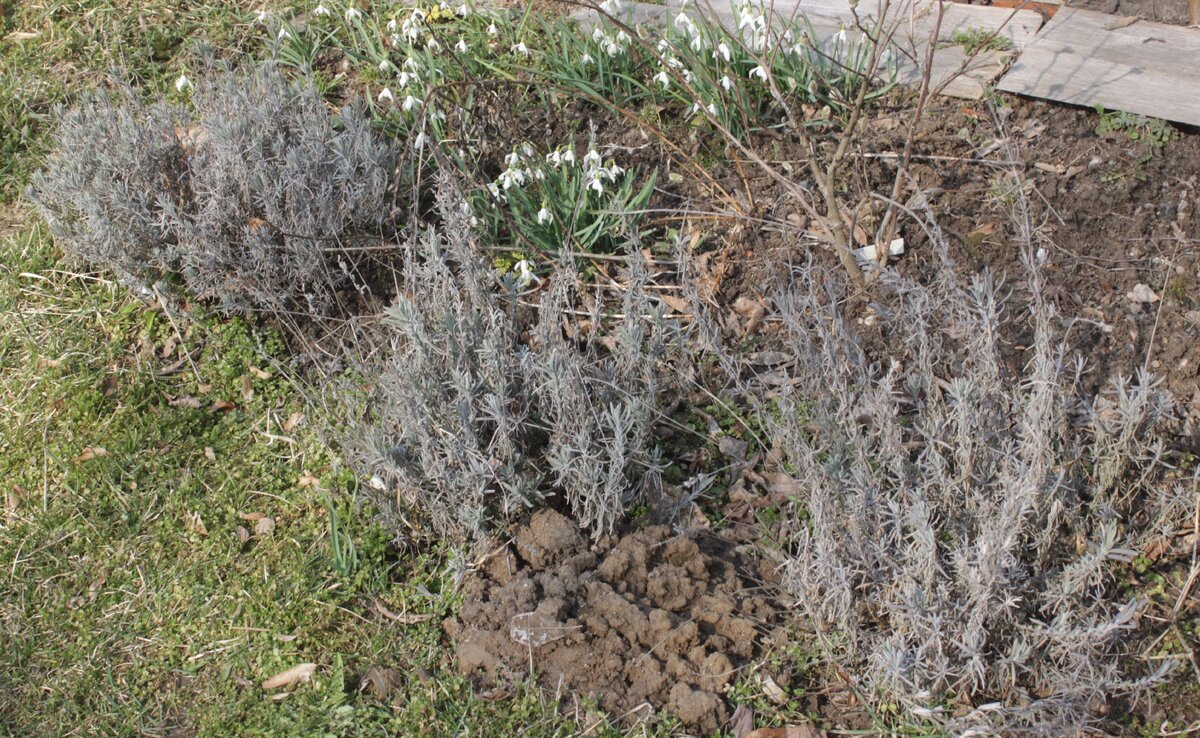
(114,163)
(284,193)
(958,526)
(258,194)
(482,410)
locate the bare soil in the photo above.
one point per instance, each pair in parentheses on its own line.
(650,618)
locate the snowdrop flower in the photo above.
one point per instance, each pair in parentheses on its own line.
(419,141)
(263,16)
(722,50)
(520,48)
(411,64)
(385,95)
(384,65)
(591,159)
(555,158)
(544,216)
(683,22)
(321,10)
(568,156)
(492,188)
(664,79)
(525,275)
(410,102)
(283,34)
(759,72)
(353,14)
(405,78)
(712,109)
(463,11)
(432,44)
(596,185)
(461,47)
(492,30)
(841,36)
(183,83)
(391,25)
(587,59)
(727,83)
(612,7)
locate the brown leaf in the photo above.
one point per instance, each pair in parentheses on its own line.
(221,406)
(773,691)
(1125,22)
(93,590)
(260,373)
(788,731)
(307,480)
(295,675)
(247,389)
(194,524)
(243,535)
(209,453)
(251,517)
(91,452)
(1143,294)
(285,637)
(678,304)
(185,401)
(742,722)
(168,348)
(380,682)
(264,527)
(21,36)
(294,420)
(48,364)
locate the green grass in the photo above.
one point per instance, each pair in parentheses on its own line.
(120,616)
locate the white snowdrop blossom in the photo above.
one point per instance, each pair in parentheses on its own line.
(321,10)
(525,275)
(520,48)
(353,13)
(385,95)
(544,216)
(841,36)
(759,72)
(722,51)
(263,16)
(432,44)
(392,25)
(410,102)
(586,59)
(183,83)
(492,30)
(283,34)
(419,141)
(664,79)
(712,109)
(384,65)
(463,11)
(461,47)
(591,159)
(727,83)
(611,7)
(405,78)
(411,64)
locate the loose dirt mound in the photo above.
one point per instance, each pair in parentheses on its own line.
(649,617)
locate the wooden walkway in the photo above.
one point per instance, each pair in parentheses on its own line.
(1079,57)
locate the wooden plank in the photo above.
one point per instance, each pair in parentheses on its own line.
(1144,68)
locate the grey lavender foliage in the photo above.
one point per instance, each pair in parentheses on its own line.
(482,411)
(255,193)
(958,525)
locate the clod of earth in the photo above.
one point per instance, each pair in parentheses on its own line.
(650,617)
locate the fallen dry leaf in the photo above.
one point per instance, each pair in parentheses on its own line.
(380,682)
(251,516)
(307,480)
(742,722)
(260,373)
(221,406)
(91,452)
(264,527)
(48,364)
(285,637)
(1125,22)
(93,589)
(1142,293)
(247,389)
(209,453)
(295,675)
(773,691)
(788,731)
(243,535)
(20,36)
(194,524)
(292,422)
(185,401)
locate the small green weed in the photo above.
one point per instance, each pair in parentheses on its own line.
(976,40)
(1152,131)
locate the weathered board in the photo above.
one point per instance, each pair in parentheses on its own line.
(1084,58)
